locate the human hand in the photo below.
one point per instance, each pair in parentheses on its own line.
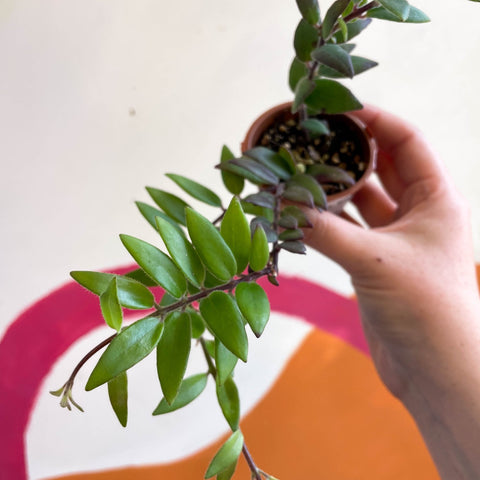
(413,269)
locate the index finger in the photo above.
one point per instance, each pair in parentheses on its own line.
(412,157)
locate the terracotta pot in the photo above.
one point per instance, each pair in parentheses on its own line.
(336,201)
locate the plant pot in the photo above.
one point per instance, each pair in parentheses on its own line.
(360,134)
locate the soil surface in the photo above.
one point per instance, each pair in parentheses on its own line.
(343,148)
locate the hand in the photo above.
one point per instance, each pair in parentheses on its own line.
(413,269)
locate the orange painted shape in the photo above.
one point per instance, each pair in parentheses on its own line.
(327,417)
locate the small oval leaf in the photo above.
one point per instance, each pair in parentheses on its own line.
(221,313)
(173,206)
(110,306)
(309,183)
(259,254)
(210,245)
(118,395)
(298,69)
(196,190)
(235,230)
(189,390)
(232,182)
(227,455)
(310,10)
(254,305)
(272,160)
(130,346)
(156,264)
(173,351)
(225,361)
(335,57)
(305,40)
(330,96)
(229,401)
(151,213)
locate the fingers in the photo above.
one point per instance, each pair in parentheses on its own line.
(375,206)
(340,240)
(412,158)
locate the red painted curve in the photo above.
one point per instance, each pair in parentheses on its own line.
(41,334)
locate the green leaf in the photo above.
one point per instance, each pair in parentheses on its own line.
(335,10)
(227,455)
(292,234)
(251,170)
(110,306)
(254,305)
(359,64)
(182,253)
(229,401)
(310,10)
(131,294)
(294,247)
(232,182)
(151,213)
(259,253)
(353,29)
(140,276)
(343,29)
(190,389)
(315,127)
(267,227)
(329,174)
(305,40)
(228,473)
(130,346)
(235,230)
(156,264)
(298,214)
(414,16)
(399,8)
(196,190)
(298,69)
(225,361)
(335,57)
(309,183)
(173,351)
(299,194)
(329,96)
(198,327)
(251,209)
(272,160)
(261,199)
(118,395)
(304,89)
(173,206)
(210,245)
(221,313)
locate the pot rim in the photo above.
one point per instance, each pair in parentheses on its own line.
(266,118)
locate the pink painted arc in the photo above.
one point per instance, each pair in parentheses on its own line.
(50,326)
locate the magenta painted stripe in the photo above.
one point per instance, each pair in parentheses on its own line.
(41,334)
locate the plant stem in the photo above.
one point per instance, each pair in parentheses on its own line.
(358,12)
(251,463)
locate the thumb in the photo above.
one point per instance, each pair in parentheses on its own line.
(344,242)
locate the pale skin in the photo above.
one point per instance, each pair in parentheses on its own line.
(414,276)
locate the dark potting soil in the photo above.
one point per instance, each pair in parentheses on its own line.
(342,148)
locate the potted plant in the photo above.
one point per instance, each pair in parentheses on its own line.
(310,152)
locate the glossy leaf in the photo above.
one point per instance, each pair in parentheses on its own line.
(272,160)
(129,347)
(399,8)
(258,211)
(315,127)
(288,221)
(118,395)
(196,190)
(309,183)
(353,29)
(329,96)
(229,401)
(172,205)
(140,276)
(131,294)
(182,253)
(110,306)
(210,245)
(198,327)
(228,473)
(156,264)
(151,213)
(298,69)
(259,254)
(227,455)
(173,351)
(360,65)
(190,389)
(310,10)
(293,234)
(305,87)
(225,361)
(343,29)
(267,227)
(305,40)
(299,194)
(235,230)
(298,214)
(222,315)
(294,247)
(254,305)
(330,174)
(335,57)
(232,182)
(288,158)
(261,199)
(251,170)
(415,15)
(335,10)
